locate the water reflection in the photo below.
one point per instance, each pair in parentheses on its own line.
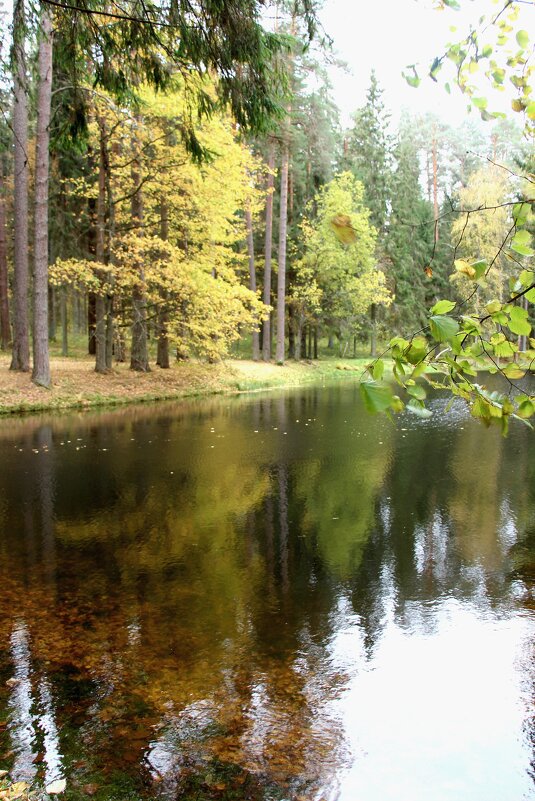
(267,597)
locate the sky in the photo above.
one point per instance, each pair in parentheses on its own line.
(391,34)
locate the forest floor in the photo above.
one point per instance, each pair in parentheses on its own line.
(76,385)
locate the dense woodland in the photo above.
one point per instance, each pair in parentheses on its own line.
(175,180)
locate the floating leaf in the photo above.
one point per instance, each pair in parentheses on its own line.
(17,789)
(56,787)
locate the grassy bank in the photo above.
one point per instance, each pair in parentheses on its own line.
(76,385)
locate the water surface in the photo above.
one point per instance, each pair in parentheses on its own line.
(268,597)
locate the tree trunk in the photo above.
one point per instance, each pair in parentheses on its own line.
(5,330)
(281,277)
(162,354)
(298,337)
(100,300)
(252,274)
(21,342)
(373,336)
(52,322)
(266,333)
(315,341)
(303,340)
(41,361)
(139,358)
(64,322)
(291,332)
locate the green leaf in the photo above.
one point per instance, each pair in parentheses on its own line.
(416,407)
(378,369)
(412,79)
(521,210)
(417,350)
(530,111)
(518,323)
(397,404)
(526,409)
(493,306)
(486,51)
(452,4)
(480,102)
(513,372)
(377,397)
(522,38)
(443,307)
(531,295)
(443,328)
(505,349)
(417,391)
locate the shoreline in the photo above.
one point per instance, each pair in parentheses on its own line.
(75,385)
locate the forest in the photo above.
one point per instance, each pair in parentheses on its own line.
(177,184)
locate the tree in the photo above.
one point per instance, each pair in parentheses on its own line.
(409,239)
(41,363)
(368,153)
(21,340)
(483,232)
(344,271)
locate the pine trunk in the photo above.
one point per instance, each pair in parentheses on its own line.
(252,275)
(139,358)
(21,342)
(266,332)
(64,322)
(373,336)
(281,278)
(5,331)
(100,300)
(41,361)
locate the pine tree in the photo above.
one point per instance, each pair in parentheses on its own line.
(368,153)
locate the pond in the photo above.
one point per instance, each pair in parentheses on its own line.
(270,596)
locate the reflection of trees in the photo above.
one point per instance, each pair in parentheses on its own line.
(181,575)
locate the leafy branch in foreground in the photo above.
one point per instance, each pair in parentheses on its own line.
(452,349)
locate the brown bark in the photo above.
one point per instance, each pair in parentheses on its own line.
(281,277)
(21,342)
(41,361)
(266,331)
(139,359)
(252,275)
(5,330)
(64,322)
(100,300)
(373,336)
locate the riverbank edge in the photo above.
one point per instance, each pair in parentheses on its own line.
(75,385)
